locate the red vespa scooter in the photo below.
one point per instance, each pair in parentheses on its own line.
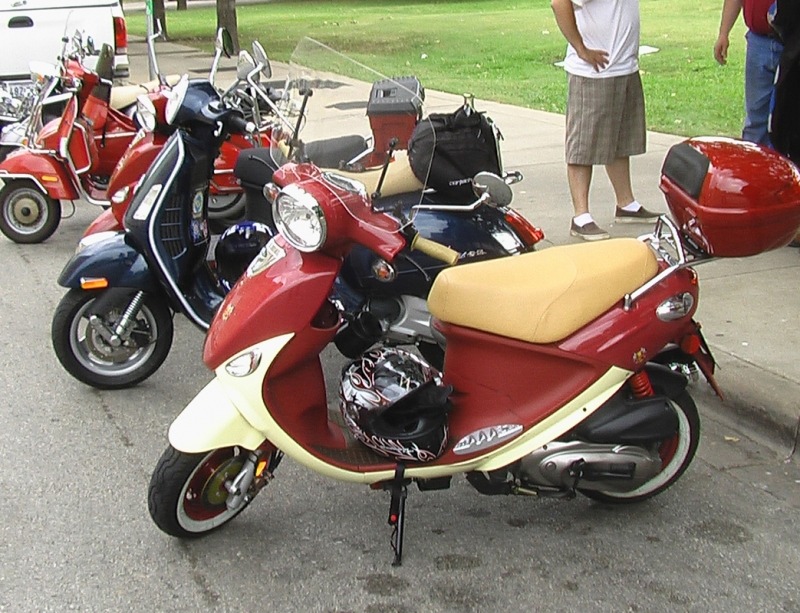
(551,382)
(71,158)
(226,195)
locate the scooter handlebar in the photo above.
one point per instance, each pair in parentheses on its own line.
(434,249)
(239,124)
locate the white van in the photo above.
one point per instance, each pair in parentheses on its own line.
(32,30)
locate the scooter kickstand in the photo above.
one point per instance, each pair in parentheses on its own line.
(397,512)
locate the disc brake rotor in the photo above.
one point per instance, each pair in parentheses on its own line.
(99,347)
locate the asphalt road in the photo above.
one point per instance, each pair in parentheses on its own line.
(76,534)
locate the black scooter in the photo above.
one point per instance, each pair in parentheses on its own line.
(113,328)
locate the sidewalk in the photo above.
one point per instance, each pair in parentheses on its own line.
(749,308)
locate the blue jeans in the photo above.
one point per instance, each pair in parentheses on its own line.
(761,62)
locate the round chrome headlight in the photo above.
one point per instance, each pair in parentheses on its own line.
(175,98)
(146,112)
(299,218)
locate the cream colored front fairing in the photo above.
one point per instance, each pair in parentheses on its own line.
(230,411)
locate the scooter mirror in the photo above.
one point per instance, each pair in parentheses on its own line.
(260,56)
(224,42)
(497,189)
(245,65)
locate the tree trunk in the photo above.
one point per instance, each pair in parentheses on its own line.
(160,16)
(226,18)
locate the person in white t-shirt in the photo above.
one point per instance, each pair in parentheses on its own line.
(605,105)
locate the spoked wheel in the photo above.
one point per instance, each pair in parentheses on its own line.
(26,214)
(676,454)
(83,341)
(188,495)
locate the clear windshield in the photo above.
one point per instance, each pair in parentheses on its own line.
(355,124)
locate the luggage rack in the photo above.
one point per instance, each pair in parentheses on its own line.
(665,241)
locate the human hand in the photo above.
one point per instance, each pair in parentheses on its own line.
(596,57)
(721,50)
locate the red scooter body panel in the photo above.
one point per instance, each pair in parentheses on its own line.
(522,383)
(51,173)
(104,222)
(224,181)
(630,338)
(131,167)
(282,299)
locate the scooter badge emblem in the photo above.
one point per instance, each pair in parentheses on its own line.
(227,312)
(486,437)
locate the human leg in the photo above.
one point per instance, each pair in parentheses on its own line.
(761,61)
(585,134)
(579,178)
(619,173)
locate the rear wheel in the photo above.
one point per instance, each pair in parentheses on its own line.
(27,215)
(84,349)
(676,454)
(188,497)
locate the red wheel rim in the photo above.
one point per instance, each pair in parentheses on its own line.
(667,449)
(205,493)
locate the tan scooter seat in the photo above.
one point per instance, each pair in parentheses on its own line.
(399,177)
(545,296)
(125,95)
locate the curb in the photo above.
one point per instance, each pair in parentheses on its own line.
(771,407)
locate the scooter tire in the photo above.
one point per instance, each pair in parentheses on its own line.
(187,496)
(676,455)
(27,215)
(87,357)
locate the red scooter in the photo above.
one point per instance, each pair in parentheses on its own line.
(226,194)
(551,383)
(69,158)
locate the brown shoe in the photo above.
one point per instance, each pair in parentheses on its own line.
(640,216)
(589,232)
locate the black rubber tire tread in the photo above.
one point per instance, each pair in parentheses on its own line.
(64,314)
(53,212)
(174,468)
(687,406)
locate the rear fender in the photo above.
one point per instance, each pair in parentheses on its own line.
(112,259)
(48,173)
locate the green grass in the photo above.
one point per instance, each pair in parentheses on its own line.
(500,50)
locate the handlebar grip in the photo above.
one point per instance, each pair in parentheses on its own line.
(434,249)
(236,123)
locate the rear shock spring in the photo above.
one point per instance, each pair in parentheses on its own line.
(640,385)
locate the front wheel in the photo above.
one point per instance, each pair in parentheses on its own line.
(676,454)
(82,339)
(27,215)
(188,492)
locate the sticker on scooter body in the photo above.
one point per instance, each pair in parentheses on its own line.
(486,437)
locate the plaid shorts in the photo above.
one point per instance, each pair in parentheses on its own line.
(605,119)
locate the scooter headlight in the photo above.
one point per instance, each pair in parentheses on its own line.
(145,112)
(299,218)
(175,99)
(244,364)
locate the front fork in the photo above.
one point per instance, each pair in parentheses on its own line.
(118,334)
(259,468)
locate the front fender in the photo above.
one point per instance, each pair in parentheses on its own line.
(47,172)
(112,259)
(212,421)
